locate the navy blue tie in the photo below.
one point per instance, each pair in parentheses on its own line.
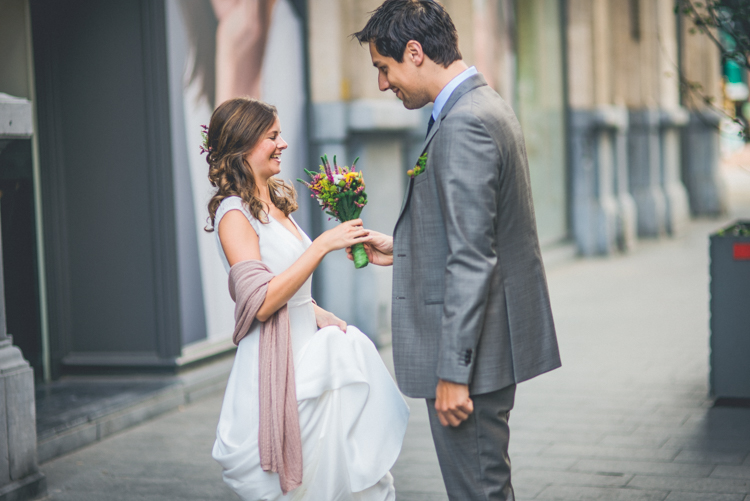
(429,125)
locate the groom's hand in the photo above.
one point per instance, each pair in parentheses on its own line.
(379,248)
(452,403)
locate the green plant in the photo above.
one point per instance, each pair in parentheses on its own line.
(739,229)
(727,24)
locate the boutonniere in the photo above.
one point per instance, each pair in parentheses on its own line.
(419,168)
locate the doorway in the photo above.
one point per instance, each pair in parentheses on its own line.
(19,247)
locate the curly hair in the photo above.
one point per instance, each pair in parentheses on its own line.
(236,127)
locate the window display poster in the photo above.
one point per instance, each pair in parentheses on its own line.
(220,49)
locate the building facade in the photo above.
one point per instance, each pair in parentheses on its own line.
(107,267)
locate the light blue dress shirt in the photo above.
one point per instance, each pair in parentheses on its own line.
(445,94)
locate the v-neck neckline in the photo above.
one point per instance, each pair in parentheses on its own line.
(300,239)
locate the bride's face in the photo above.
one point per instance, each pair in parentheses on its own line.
(265,158)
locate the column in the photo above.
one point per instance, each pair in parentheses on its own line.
(603,212)
(700,64)
(645,171)
(673,119)
(20,477)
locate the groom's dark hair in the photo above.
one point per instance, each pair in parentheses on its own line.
(394,23)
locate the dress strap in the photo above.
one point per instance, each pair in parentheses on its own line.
(235,203)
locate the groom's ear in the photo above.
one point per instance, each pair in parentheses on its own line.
(414,52)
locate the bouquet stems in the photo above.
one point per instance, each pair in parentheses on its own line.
(340,191)
(359,255)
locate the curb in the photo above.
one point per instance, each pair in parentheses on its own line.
(184,389)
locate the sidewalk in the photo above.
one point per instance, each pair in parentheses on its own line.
(626,418)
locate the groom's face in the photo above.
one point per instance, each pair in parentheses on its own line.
(402,78)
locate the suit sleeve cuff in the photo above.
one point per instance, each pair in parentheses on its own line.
(456,366)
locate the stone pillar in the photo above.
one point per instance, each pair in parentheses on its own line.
(701,65)
(673,118)
(333,282)
(644,159)
(627,215)
(700,164)
(603,211)
(384,135)
(20,477)
(677,207)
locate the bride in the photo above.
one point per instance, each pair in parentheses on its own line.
(352,417)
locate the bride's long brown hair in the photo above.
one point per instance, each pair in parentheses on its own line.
(236,127)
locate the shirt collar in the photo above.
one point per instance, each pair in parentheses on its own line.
(445,94)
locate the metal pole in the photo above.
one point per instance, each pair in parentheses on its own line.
(39,224)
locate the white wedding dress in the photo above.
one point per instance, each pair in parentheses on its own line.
(352,416)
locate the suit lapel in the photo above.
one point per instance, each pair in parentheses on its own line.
(468,85)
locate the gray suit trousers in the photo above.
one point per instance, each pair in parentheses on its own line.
(474,455)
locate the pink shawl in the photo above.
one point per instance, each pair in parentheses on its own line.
(279,438)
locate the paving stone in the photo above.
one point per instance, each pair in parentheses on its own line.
(524,490)
(529,447)
(645,467)
(417,471)
(419,483)
(698,496)
(551,477)
(706,443)
(727,471)
(525,461)
(580,428)
(710,456)
(421,496)
(592,451)
(631,441)
(168,458)
(58,445)
(723,485)
(566,493)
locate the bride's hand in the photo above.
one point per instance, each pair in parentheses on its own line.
(379,248)
(344,235)
(325,318)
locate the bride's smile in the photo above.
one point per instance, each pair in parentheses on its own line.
(265,158)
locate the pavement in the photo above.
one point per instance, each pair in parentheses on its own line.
(627,417)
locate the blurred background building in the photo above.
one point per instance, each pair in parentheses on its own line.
(107,267)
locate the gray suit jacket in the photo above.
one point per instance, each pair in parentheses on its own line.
(470,299)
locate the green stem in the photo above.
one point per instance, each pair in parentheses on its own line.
(360,256)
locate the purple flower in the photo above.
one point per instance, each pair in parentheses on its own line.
(327,166)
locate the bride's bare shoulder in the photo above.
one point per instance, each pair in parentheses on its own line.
(238,237)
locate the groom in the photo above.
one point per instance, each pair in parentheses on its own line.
(471,311)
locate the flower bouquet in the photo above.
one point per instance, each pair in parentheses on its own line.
(340,191)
